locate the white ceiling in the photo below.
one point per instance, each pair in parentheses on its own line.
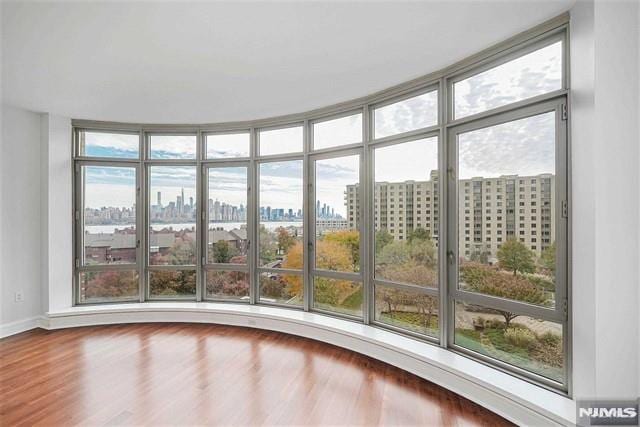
(211,62)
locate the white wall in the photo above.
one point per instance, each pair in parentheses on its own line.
(582,197)
(616,132)
(605,142)
(20,220)
(56,202)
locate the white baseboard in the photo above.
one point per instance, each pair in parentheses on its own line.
(516,400)
(12,328)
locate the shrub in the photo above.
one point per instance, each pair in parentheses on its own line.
(541,282)
(549,339)
(549,349)
(520,337)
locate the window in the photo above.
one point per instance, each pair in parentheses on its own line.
(227,239)
(340,214)
(341,131)
(172,233)
(172,146)
(523,341)
(280,232)
(337,252)
(515,311)
(407,309)
(408,267)
(109,144)
(403,116)
(227,145)
(109,225)
(535,73)
(281,141)
(108,233)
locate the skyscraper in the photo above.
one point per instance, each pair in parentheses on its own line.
(159,199)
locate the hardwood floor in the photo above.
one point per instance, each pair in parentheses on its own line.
(188,374)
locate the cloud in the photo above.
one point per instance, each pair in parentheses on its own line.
(533,74)
(172,146)
(522,147)
(341,131)
(403,116)
(228,145)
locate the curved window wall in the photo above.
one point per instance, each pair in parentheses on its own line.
(437,209)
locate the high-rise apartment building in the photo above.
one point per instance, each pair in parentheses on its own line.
(491,211)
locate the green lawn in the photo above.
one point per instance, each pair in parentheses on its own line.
(491,342)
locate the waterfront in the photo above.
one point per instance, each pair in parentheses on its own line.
(228,226)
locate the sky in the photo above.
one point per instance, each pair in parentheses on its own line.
(524,147)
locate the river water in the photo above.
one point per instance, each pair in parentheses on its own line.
(269,225)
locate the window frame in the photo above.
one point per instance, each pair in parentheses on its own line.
(79,223)
(442,81)
(204,235)
(391,141)
(557,314)
(311,239)
(507,55)
(148,163)
(259,269)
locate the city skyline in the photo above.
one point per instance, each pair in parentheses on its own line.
(178,209)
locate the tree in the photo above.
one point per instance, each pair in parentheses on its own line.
(294,261)
(349,239)
(396,252)
(183,251)
(489,281)
(515,256)
(265,239)
(335,256)
(329,256)
(423,252)
(109,284)
(419,234)
(548,259)
(481,256)
(222,252)
(167,282)
(285,240)
(383,238)
(228,283)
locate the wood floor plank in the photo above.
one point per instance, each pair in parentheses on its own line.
(198,374)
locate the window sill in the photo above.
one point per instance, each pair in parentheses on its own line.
(493,389)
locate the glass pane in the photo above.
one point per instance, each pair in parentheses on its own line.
(279,141)
(109,195)
(104,144)
(506,208)
(227,204)
(280,216)
(228,145)
(531,344)
(406,212)
(172,214)
(340,296)
(403,116)
(407,309)
(100,286)
(281,288)
(530,75)
(228,285)
(172,146)
(337,214)
(172,283)
(342,131)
